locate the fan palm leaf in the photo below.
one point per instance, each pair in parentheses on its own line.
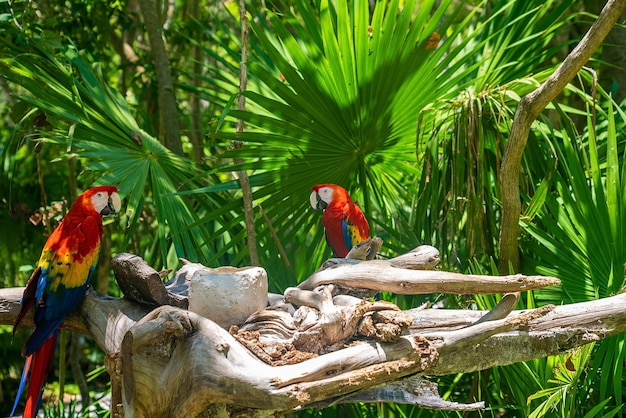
(347,117)
(92,121)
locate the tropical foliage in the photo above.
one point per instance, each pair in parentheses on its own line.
(407,104)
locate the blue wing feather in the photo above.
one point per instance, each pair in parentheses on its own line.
(42,283)
(347,234)
(56,306)
(65,299)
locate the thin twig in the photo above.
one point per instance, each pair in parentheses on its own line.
(281,249)
(244,181)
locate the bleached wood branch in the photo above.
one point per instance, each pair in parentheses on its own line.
(384,275)
(320,349)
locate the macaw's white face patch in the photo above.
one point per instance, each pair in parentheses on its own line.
(322,197)
(106,204)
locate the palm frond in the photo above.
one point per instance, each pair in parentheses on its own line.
(578,235)
(94,122)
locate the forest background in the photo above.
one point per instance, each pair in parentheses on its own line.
(407,104)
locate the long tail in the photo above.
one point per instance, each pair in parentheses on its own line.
(40,362)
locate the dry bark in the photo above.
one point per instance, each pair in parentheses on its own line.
(316,346)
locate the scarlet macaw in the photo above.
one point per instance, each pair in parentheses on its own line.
(59,283)
(344,222)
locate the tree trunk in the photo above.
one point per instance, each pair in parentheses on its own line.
(244,180)
(168,111)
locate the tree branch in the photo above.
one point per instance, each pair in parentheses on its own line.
(380,275)
(313,348)
(527,112)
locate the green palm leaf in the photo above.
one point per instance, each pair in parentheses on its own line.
(347,110)
(578,236)
(91,120)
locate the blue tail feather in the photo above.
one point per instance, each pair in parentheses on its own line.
(20,389)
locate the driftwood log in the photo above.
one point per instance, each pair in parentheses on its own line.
(318,344)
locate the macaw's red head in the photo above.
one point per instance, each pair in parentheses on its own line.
(323,195)
(103,200)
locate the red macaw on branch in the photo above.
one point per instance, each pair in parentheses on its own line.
(59,283)
(344,222)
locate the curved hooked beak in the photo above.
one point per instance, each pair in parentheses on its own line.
(113,206)
(317,202)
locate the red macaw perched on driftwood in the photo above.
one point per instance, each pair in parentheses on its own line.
(344,222)
(59,283)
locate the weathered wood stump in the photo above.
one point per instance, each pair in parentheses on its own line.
(317,344)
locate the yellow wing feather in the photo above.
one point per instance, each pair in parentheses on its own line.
(62,267)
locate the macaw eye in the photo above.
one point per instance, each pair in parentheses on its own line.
(326,192)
